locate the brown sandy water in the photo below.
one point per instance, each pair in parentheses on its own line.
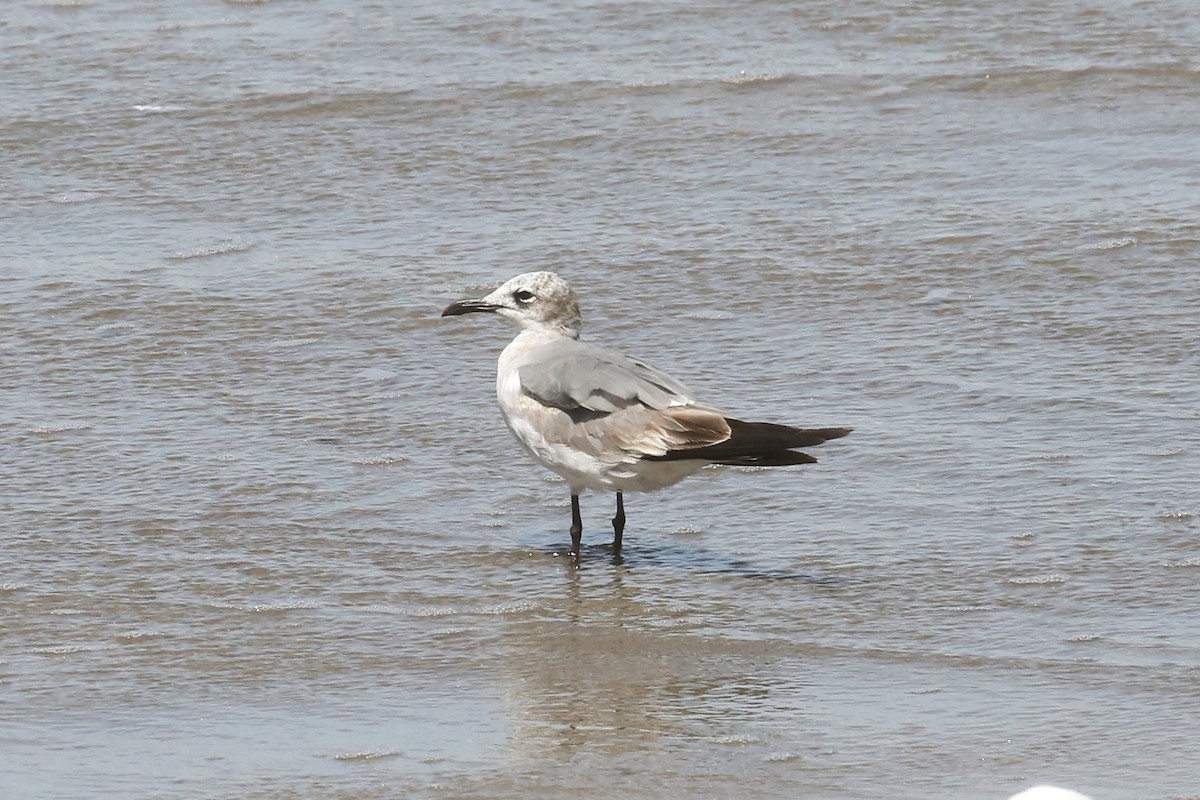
(264,535)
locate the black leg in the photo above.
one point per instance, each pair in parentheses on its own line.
(576,526)
(618,524)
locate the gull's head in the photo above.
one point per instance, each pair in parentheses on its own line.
(535,301)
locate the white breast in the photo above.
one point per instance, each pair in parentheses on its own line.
(523,414)
(581,466)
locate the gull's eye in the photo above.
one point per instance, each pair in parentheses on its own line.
(523,296)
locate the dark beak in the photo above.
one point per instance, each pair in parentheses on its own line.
(467,307)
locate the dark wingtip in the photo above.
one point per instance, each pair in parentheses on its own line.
(758,444)
(772,458)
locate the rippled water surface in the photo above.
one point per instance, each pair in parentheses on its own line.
(264,534)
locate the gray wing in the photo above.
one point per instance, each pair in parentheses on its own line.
(571,375)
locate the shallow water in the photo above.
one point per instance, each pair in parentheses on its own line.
(264,534)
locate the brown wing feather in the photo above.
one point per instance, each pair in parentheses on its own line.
(693,427)
(639,432)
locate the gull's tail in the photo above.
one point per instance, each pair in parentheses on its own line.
(759,444)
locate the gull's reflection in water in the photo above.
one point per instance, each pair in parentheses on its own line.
(619,663)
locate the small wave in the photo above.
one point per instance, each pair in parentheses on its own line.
(1173,451)
(172,27)
(151,108)
(649,84)
(234,245)
(75,197)
(504,608)
(264,608)
(1187,562)
(440,611)
(940,295)
(293,605)
(1038,580)
(453,630)
(61,650)
(373,374)
(1114,244)
(295,341)
(744,78)
(737,739)
(411,611)
(367,755)
(59,428)
(133,636)
(385,460)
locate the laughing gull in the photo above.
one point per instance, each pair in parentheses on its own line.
(607,422)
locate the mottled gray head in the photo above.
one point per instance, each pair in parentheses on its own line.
(535,301)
